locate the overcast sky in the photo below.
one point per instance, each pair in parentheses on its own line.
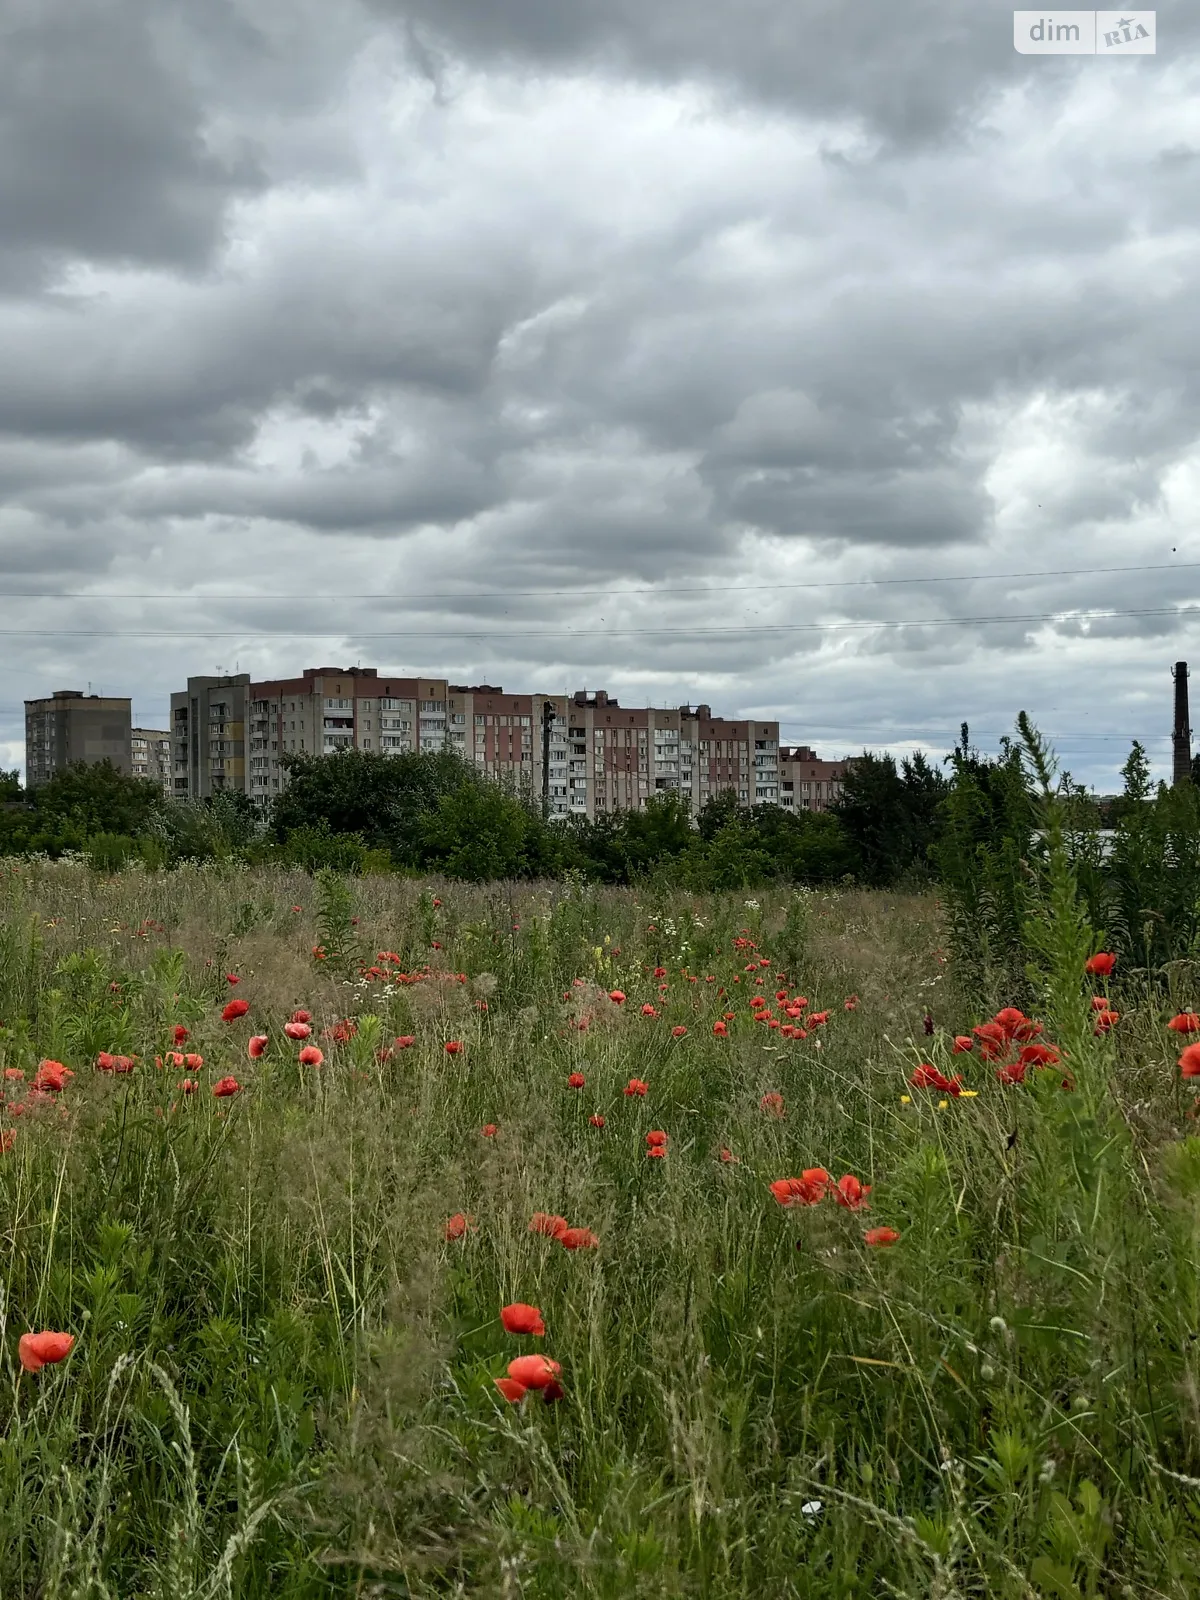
(414,332)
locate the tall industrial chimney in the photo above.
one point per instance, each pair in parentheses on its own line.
(1181,739)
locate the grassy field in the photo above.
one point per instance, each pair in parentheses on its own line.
(286,1299)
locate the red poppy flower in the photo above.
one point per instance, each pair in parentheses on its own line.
(772,1103)
(300,1015)
(720,1030)
(453,1046)
(234,1010)
(188,1086)
(852,1194)
(816,1175)
(297,908)
(522,1318)
(929,1077)
(657,1151)
(181,1033)
(758,1001)
(852,1003)
(617,996)
(727,1155)
(38,1350)
(547,1223)
(1105,1020)
(648,1010)
(678,1031)
(817,1019)
(225,1087)
(578,1239)
(1039,1055)
(297,1030)
(881,1236)
(192,1060)
(489,1130)
(257,1046)
(576,1080)
(656,1138)
(1009,1020)
(232,977)
(51,1077)
(310,1056)
(7,1139)
(596,1120)
(1189,1062)
(14,1074)
(962,1044)
(1012,1072)
(457,1225)
(512,1391)
(1027,1030)
(405,1041)
(660,972)
(636,1086)
(535,1372)
(1100,965)
(797,1192)
(1099,1002)
(1185,1022)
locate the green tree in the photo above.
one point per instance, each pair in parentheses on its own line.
(890,815)
(987,838)
(478,832)
(659,833)
(95,797)
(382,799)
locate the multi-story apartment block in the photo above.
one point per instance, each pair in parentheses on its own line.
(208,736)
(806,782)
(328,709)
(150,757)
(71,726)
(601,756)
(620,756)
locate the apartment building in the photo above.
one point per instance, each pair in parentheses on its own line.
(806,783)
(150,757)
(327,709)
(602,756)
(208,736)
(619,756)
(72,726)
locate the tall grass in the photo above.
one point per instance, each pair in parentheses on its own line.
(283,1377)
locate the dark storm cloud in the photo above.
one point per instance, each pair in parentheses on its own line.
(914,73)
(103,151)
(335,299)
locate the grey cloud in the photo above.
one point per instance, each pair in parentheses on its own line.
(915,74)
(102,144)
(363,331)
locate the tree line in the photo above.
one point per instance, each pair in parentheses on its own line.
(974,825)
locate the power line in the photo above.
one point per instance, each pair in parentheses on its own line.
(617,594)
(1106,615)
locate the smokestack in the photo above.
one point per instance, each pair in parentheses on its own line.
(1181,739)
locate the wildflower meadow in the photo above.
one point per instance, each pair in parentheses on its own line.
(386,1237)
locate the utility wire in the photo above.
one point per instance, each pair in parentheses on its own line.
(616,594)
(1106,615)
